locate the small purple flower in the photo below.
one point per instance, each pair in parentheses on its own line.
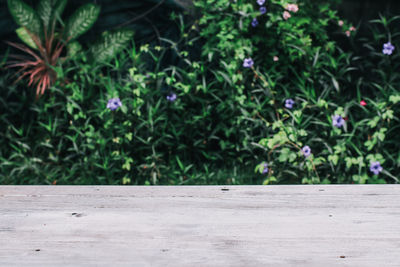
(263,10)
(171,97)
(289,103)
(260,2)
(248,62)
(375,167)
(306,151)
(114,103)
(254,23)
(338,121)
(388,48)
(265,170)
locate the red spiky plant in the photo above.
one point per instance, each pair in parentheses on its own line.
(38,67)
(38,30)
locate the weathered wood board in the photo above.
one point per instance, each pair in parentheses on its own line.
(334,225)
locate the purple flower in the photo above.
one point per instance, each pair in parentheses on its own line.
(248,62)
(260,2)
(375,167)
(306,151)
(338,121)
(171,97)
(289,103)
(263,10)
(265,170)
(114,103)
(254,23)
(388,48)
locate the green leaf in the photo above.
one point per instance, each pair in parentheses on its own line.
(59,8)
(110,44)
(284,155)
(335,84)
(270,180)
(361,179)
(372,123)
(334,159)
(292,157)
(381,136)
(73,49)
(388,114)
(348,162)
(319,161)
(126,180)
(50,10)
(179,163)
(370,144)
(81,20)
(44,10)
(25,16)
(26,37)
(127,164)
(394,99)
(129,136)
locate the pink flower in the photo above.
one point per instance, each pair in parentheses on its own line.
(292,8)
(363,103)
(352,29)
(340,23)
(286,15)
(348,33)
(276,58)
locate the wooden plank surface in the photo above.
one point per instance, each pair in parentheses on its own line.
(336,225)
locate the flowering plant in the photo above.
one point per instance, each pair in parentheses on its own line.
(268,86)
(287,71)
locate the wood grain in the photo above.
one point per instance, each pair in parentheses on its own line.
(334,225)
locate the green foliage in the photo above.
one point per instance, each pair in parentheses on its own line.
(50,10)
(49,45)
(45,10)
(297,58)
(110,44)
(58,9)
(81,20)
(26,37)
(25,16)
(226,120)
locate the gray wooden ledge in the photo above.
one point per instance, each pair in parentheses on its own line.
(200,226)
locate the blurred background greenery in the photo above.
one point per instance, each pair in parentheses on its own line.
(150,17)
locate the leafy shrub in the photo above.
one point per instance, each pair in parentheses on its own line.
(79,140)
(231,93)
(292,56)
(374,97)
(279,64)
(346,123)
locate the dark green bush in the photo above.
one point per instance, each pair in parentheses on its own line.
(226,119)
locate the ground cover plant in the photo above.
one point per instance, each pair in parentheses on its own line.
(251,92)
